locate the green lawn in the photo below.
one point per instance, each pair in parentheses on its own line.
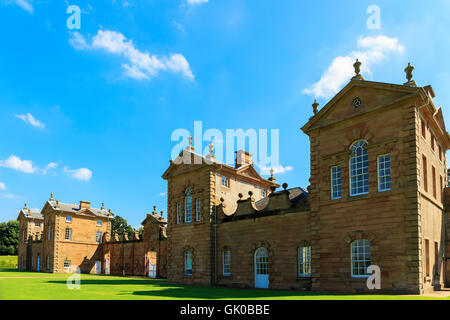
(16,285)
(8,262)
(19,285)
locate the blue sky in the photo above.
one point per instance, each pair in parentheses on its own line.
(88,114)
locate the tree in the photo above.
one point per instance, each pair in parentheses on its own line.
(9,237)
(120,225)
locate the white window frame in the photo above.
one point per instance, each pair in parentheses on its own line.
(379,171)
(188,263)
(66,264)
(225,182)
(352,169)
(68,219)
(188,206)
(226,263)
(178,213)
(70,234)
(354,257)
(334,184)
(198,210)
(304,261)
(97,238)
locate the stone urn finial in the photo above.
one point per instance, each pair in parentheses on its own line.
(315,107)
(409,70)
(357,66)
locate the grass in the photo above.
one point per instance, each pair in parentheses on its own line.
(8,262)
(20,285)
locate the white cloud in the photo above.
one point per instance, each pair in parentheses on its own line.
(50,166)
(16,163)
(163,194)
(265,170)
(194,2)
(24,4)
(370,51)
(78,41)
(28,118)
(139,65)
(2,186)
(83,174)
(179,26)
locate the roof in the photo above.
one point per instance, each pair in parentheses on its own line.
(32,214)
(246,170)
(75,208)
(296,195)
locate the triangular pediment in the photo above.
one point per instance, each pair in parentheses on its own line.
(359,97)
(249,171)
(185,162)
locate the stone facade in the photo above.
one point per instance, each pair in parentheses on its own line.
(403,225)
(62,237)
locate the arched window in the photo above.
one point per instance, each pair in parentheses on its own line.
(188,205)
(188,263)
(359,168)
(360,255)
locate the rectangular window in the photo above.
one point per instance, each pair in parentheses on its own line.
(99,223)
(68,234)
(37,224)
(188,263)
(178,213)
(432,142)
(226,262)
(433,172)
(66,264)
(360,257)
(49,233)
(427,257)
(263,192)
(225,182)
(441,190)
(69,219)
(98,236)
(424,129)
(436,259)
(188,209)
(440,153)
(336,185)
(198,210)
(384,172)
(304,261)
(425,177)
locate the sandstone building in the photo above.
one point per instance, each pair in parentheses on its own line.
(376,197)
(63,236)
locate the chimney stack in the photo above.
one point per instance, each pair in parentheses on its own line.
(242,158)
(85,204)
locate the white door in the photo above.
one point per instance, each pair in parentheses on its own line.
(106,267)
(98,267)
(151,270)
(261,268)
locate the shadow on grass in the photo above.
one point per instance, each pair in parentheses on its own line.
(163,289)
